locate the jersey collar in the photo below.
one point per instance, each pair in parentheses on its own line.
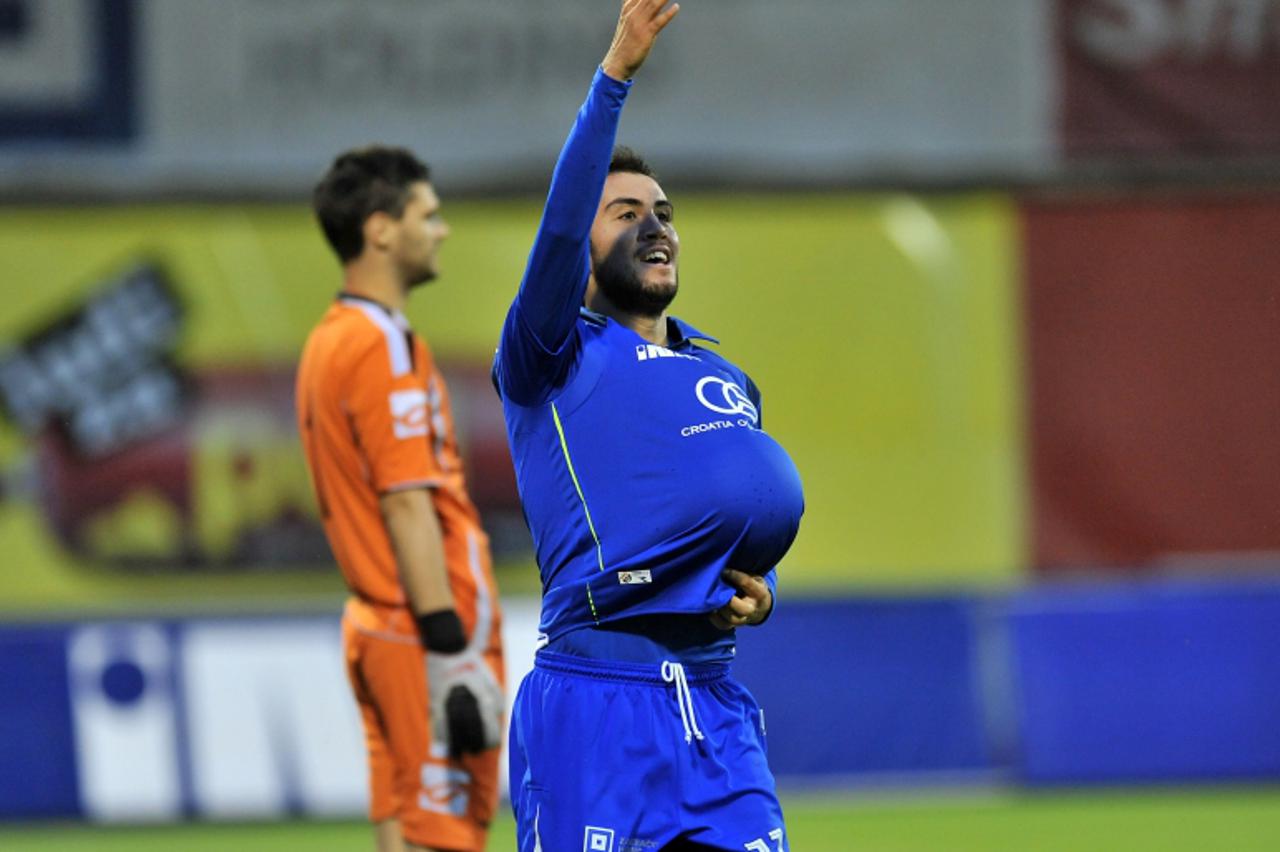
(401,321)
(679,332)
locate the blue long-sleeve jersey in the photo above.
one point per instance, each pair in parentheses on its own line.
(643,469)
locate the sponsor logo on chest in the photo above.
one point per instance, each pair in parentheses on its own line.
(651,352)
(726,398)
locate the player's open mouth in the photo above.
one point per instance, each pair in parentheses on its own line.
(656,257)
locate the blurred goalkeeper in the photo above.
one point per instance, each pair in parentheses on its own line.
(659,508)
(421,629)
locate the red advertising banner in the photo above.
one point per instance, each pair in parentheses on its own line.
(1173,79)
(1154,376)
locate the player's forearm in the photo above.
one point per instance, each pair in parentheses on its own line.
(556,275)
(418,542)
(583,165)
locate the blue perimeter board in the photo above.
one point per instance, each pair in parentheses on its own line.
(1160,681)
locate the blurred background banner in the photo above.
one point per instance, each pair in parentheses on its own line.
(1155,393)
(253,97)
(145,720)
(256,96)
(915,340)
(1004,270)
(1174,80)
(157,719)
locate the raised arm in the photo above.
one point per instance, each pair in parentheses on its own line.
(533,356)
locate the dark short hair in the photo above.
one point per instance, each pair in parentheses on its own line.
(627,160)
(361,182)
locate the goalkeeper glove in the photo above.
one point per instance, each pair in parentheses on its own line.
(466,700)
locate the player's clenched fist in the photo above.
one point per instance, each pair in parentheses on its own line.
(638,28)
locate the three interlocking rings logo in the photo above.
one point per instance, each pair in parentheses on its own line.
(725,397)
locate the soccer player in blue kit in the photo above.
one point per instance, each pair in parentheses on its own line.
(658,507)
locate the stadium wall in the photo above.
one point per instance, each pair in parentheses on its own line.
(250,718)
(918,313)
(1154,398)
(165,98)
(970,384)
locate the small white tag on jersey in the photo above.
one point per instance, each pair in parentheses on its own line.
(634,578)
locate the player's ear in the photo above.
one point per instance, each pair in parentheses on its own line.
(378,230)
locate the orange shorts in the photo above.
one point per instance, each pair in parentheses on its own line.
(440,802)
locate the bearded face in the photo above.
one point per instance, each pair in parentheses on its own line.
(626,278)
(634,246)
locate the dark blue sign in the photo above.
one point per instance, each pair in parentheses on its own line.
(93,102)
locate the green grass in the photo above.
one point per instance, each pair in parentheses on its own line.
(1236,819)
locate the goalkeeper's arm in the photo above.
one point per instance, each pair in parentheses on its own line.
(465,699)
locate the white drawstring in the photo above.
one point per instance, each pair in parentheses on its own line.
(674,673)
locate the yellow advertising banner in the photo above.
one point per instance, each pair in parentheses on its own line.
(147,445)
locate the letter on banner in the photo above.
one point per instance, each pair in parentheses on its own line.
(124,718)
(273,725)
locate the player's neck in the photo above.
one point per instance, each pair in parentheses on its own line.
(363,280)
(652,329)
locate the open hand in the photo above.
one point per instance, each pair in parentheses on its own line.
(638,26)
(751,605)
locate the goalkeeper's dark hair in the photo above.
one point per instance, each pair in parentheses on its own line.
(361,182)
(627,160)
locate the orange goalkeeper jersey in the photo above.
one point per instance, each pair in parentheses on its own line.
(374,416)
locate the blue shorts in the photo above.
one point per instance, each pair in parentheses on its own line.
(628,757)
